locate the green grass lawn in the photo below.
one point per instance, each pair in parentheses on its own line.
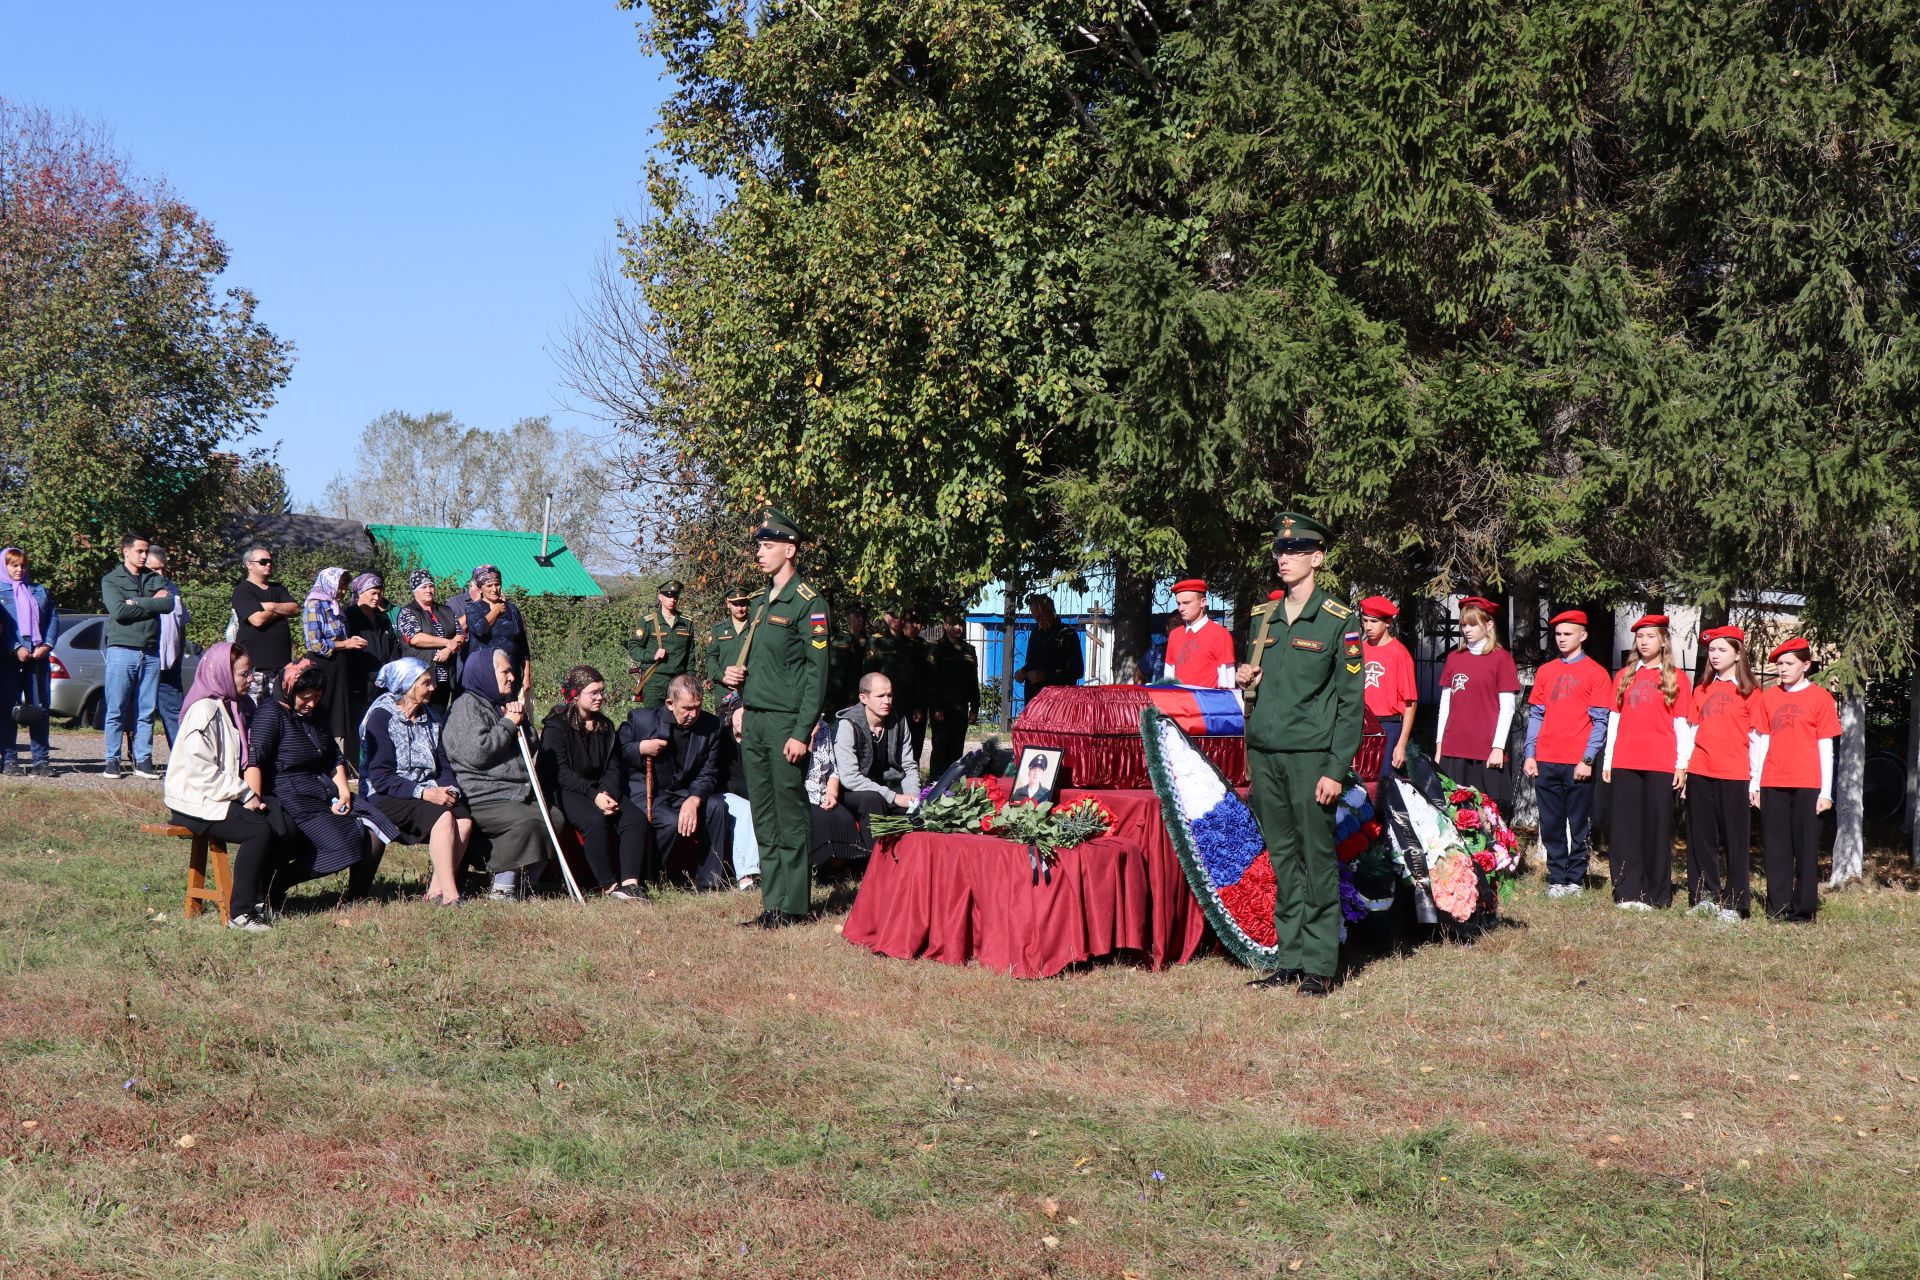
(543,1090)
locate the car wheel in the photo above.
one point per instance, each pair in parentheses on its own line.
(93,712)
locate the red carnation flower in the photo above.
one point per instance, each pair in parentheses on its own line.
(1467,820)
(1484,860)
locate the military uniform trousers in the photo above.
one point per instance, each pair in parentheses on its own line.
(1306,871)
(778,792)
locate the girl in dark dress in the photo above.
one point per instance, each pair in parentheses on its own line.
(292,762)
(408,777)
(585,775)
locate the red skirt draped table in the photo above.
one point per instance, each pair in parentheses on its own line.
(966,898)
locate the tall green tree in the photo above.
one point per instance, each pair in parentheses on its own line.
(125,371)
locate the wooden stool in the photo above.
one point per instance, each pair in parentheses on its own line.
(204,850)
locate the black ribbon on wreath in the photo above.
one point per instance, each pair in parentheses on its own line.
(1038,865)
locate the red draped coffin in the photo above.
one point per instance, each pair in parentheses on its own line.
(1096,730)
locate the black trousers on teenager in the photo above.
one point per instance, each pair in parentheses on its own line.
(1496,783)
(1719,820)
(616,851)
(1640,854)
(249,840)
(1566,821)
(1790,836)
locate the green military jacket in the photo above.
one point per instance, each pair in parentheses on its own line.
(723,647)
(787,663)
(954,678)
(1311,681)
(654,634)
(848,663)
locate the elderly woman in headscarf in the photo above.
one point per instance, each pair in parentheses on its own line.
(406,773)
(431,633)
(366,617)
(293,763)
(328,644)
(206,787)
(493,776)
(494,622)
(29,624)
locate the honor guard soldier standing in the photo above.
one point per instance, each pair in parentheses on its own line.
(662,646)
(724,641)
(954,669)
(1198,648)
(1301,736)
(782,675)
(848,660)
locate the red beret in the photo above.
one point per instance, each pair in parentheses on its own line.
(1379,607)
(1190,584)
(1650,620)
(1481,603)
(1724,633)
(1796,645)
(1276,594)
(1568,615)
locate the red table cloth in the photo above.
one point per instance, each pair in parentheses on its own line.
(961,898)
(1096,730)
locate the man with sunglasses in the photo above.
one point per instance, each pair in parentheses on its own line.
(261,610)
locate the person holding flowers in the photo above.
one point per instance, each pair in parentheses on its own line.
(1723,778)
(1479,687)
(1392,693)
(1796,781)
(1649,740)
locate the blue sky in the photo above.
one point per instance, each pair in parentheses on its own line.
(416,192)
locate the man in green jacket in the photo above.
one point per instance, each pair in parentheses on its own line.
(1301,735)
(782,675)
(662,645)
(134,600)
(724,641)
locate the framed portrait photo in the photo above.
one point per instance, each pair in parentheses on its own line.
(1034,778)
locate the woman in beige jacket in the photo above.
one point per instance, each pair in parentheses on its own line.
(204,786)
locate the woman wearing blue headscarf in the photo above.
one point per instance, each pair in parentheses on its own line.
(493,774)
(406,774)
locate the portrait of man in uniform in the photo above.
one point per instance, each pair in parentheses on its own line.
(1034,777)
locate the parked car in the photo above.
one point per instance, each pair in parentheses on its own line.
(79,669)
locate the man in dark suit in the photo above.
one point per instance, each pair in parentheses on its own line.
(682,743)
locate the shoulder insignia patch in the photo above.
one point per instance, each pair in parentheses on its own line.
(1337,609)
(806,592)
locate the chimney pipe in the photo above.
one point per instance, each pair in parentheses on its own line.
(546,526)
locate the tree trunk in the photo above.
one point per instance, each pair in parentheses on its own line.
(1913,762)
(1849,773)
(1132,615)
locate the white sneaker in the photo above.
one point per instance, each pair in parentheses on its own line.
(1632,905)
(1706,909)
(1729,916)
(249,924)
(1564,891)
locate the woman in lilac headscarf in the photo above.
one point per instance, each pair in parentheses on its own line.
(206,787)
(324,621)
(29,624)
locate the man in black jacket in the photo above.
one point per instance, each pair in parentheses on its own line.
(1053,650)
(681,741)
(134,600)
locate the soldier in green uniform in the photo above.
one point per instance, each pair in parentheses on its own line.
(781,672)
(954,681)
(1302,731)
(848,654)
(901,658)
(724,641)
(662,645)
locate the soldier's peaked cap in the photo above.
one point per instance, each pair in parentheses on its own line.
(777,526)
(1295,532)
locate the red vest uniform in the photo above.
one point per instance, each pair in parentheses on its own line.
(1195,657)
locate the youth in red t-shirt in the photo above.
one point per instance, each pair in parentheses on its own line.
(1478,688)
(1568,692)
(1392,694)
(1796,782)
(1195,656)
(1648,741)
(1721,789)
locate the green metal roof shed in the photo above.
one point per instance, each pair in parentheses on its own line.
(453,553)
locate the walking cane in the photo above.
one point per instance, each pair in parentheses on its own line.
(546,819)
